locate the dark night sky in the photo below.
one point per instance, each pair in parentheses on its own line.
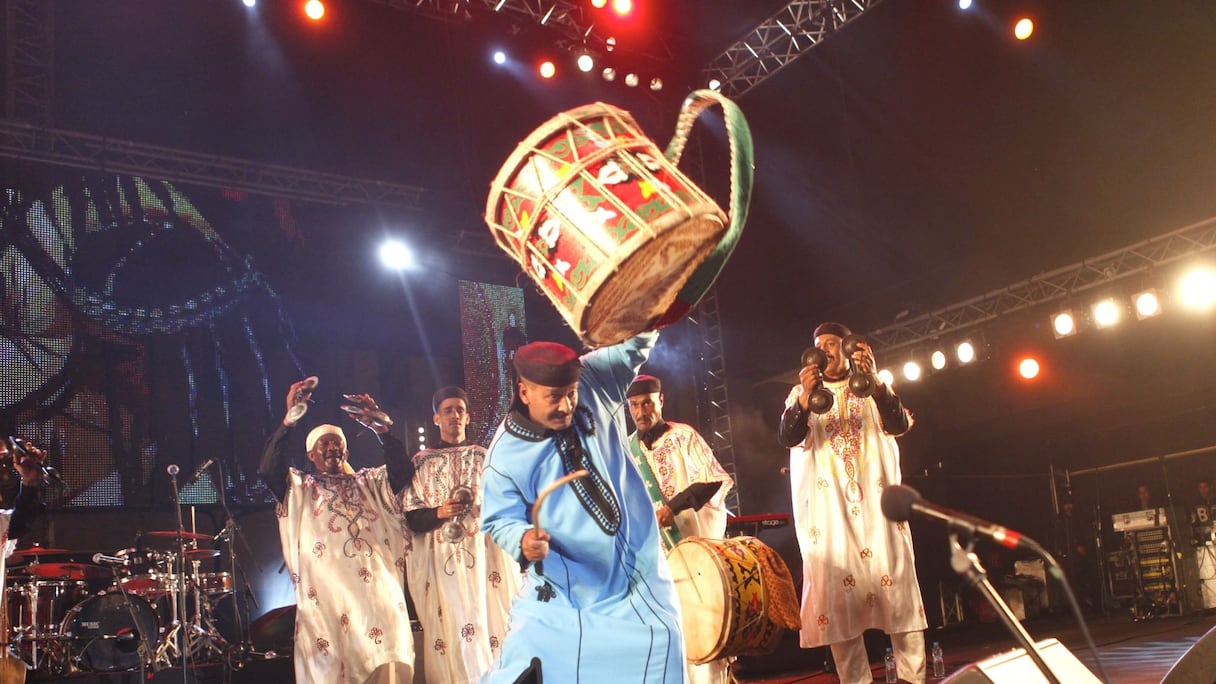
(918,158)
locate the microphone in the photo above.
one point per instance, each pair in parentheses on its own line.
(172,469)
(199,471)
(900,502)
(102,559)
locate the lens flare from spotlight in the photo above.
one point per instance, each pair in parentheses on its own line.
(314,9)
(547,69)
(1028,368)
(1023,28)
(395,255)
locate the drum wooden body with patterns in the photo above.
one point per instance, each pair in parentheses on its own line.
(736,597)
(606,225)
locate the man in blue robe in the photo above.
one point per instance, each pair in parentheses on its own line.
(598,603)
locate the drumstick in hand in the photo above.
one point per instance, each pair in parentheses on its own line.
(565,479)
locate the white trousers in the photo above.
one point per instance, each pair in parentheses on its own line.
(853,664)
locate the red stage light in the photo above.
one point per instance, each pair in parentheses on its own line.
(623,8)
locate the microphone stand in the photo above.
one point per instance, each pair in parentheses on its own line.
(964,562)
(179,632)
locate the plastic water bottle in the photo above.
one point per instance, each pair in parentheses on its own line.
(888,662)
(939,661)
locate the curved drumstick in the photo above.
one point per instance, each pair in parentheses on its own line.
(565,479)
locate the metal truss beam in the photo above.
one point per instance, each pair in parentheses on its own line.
(779,40)
(715,422)
(81,150)
(1053,286)
(564,16)
(28,60)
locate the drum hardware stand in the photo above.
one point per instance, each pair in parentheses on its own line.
(241,650)
(144,647)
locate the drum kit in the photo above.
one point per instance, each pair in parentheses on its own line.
(139,607)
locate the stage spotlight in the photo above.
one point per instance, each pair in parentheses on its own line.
(965,352)
(609,74)
(622,8)
(1028,368)
(547,69)
(886,377)
(656,84)
(396,256)
(1106,313)
(938,360)
(599,4)
(912,371)
(250,3)
(1197,288)
(964,4)
(500,57)
(314,9)
(585,62)
(714,84)
(1147,304)
(1023,28)
(631,80)
(610,44)
(1064,323)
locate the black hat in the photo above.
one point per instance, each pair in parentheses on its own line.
(548,363)
(644,384)
(831,329)
(449,392)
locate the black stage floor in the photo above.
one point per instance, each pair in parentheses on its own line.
(1131,652)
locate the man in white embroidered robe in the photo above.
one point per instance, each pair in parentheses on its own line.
(461,584)
(344,537)
(858,570)
(686,483)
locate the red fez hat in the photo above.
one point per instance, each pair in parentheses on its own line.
(548,363)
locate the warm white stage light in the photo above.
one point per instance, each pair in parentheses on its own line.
(965,352)
(547,69)
(1106,313)
(622,7)
(1063,324)
(599,4)
(314,9)
(912,371)
(714,84)
(586,63)
(1028,368)
(1197,288)
(1147,304)
(610,44)
(609,74)
(1023,28)
(656,84)
(631,80)
(938,360)
(396,256)
(886,377)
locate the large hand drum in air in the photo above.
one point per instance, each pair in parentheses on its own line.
(613,233)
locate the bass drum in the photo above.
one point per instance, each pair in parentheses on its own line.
(104,633)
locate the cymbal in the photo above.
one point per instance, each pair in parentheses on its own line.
(38,551)
(202,554)
(75,571)
(172,534)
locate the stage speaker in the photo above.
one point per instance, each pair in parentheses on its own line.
(1196,665)
(1015,667)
